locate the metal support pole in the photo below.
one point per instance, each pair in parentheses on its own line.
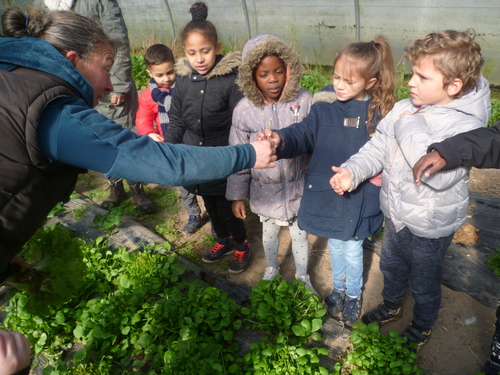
(358,22)
(169,11)
(247,20)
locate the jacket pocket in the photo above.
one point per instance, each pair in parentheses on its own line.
(320,200)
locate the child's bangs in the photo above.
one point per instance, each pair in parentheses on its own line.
(353,68)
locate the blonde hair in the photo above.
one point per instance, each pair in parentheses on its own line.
(373,60)
(65,30)
(455,55)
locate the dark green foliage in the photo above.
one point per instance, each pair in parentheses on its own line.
(139,73)
(375,354)
(58,269)
(283,359)
(286,307)
(110,220)
(135,313)
(495,111)
(317,78)
(494,262)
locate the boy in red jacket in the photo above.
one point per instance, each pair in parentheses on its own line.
(152,116)
(154,102)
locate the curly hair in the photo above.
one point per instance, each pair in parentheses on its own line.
(455,55)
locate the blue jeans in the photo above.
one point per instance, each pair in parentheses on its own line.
(347,265)
(415,262)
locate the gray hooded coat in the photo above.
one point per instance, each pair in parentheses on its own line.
(438,207)
(274,192)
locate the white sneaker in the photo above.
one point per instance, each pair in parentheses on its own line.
(307,281)
(270,273)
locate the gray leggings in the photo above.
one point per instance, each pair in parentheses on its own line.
(189,202)
(300,244)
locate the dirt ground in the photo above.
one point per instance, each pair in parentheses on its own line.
(461,337)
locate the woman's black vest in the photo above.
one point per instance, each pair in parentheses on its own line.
(30,184)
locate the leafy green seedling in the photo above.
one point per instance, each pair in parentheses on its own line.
(374,353)
(494,262)
(110,220)
(287,307)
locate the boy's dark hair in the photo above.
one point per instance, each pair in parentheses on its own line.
(455,55)
(158,54)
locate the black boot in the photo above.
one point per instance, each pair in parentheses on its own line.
(492,366)
(116,195)
(141,200)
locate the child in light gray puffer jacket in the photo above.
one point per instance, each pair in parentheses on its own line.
(269,77)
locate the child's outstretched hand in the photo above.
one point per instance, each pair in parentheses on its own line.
(341,180)
(239,209)
(269,135)
(265,154)
(14,352)
(156,137)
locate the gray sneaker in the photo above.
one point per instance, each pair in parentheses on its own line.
(270,273)
(335,302)
(351,310)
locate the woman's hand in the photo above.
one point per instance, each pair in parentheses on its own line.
(14,352)
(265,154)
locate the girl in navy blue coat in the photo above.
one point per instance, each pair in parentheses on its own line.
(339,124)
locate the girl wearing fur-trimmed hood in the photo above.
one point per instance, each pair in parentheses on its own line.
(269,77)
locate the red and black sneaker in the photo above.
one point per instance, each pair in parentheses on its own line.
(223,247)
(241,258)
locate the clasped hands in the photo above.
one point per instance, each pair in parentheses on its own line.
(265,149)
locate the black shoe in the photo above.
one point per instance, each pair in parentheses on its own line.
(351,310)
(417,336)
(241,258)
(194,223)
(116,195)
(141,200)
(335,302)
(381,315)
(491,368)
(224,246)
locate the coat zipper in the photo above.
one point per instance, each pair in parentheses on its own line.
(281,171)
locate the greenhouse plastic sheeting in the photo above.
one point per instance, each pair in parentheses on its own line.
(319,28)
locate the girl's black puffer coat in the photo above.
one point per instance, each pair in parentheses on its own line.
(202,109)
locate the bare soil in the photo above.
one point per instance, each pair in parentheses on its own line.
(461,338)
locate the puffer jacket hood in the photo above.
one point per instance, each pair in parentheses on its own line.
(475,102)
(271,45)
(224,64)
